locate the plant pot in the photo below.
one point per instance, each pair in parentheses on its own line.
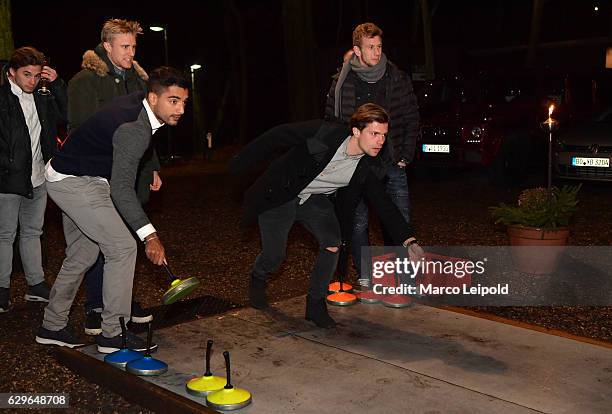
(537,251)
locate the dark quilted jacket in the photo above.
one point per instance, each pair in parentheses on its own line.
(402,107)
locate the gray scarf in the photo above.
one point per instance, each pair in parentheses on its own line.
(371,74)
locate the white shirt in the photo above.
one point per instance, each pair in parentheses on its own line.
(26,100)
(336,174)
(51,175)
(155,123)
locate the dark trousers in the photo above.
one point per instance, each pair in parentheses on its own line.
(93,285)
(318,216)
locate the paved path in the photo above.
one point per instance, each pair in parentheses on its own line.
(414,360)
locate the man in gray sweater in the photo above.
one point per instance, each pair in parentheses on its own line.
(92,180)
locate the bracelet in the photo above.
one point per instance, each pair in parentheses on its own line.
(152,238)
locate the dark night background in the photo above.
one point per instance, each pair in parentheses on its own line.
(267,62)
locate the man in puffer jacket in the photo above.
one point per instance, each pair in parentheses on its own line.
(368,77)
(110,71)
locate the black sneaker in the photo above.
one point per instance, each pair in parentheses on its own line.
(257,293)
(38,293)
(63,337)
(140,315)
(93,323)
(135,343)
(316,311)
(5,295)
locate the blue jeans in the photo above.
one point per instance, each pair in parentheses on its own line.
(30,215)
(318,216)
(397,188)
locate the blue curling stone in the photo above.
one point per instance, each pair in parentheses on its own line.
(146,366)
(122,357)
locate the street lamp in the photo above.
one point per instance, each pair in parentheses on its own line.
(165,30)
(193,68)
(196,107)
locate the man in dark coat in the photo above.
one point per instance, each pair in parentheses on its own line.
(367,76)
(323,159)
(28,131)
(107,72)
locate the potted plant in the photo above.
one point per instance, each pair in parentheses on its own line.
(540,218)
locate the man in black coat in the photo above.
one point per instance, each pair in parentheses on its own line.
(367,76)
(28,131)
(323,159)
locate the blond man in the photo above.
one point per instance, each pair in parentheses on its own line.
(109,71)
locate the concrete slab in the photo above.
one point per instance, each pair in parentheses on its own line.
(419,359)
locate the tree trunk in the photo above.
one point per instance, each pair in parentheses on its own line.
(220,116)
(427,40)
(416,22)
(534,33)
(234,25)
(300,59)
(198,122)
(499,18)
(6,32)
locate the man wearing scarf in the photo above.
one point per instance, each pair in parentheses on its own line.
(368,77)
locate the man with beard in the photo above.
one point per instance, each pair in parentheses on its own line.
(92,178)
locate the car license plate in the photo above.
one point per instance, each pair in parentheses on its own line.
(590,162)
(436,148)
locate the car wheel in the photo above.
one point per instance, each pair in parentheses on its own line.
(509,167)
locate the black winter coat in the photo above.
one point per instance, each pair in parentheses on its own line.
(96,85)
(400,102)
(311,145)
(15,143)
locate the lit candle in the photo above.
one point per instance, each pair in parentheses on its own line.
(550,110)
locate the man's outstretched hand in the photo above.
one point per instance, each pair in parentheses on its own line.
(154,249)
(415,252)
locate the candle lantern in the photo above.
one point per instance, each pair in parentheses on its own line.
(550,125)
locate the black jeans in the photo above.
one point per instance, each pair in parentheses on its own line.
(94,278)
(318,216)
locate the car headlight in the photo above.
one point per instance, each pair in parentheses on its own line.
(475,135)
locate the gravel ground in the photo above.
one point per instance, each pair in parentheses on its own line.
(196,215)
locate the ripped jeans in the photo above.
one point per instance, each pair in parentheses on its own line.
(318,216)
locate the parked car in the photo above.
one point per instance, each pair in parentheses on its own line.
(485,122)
(583,151)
